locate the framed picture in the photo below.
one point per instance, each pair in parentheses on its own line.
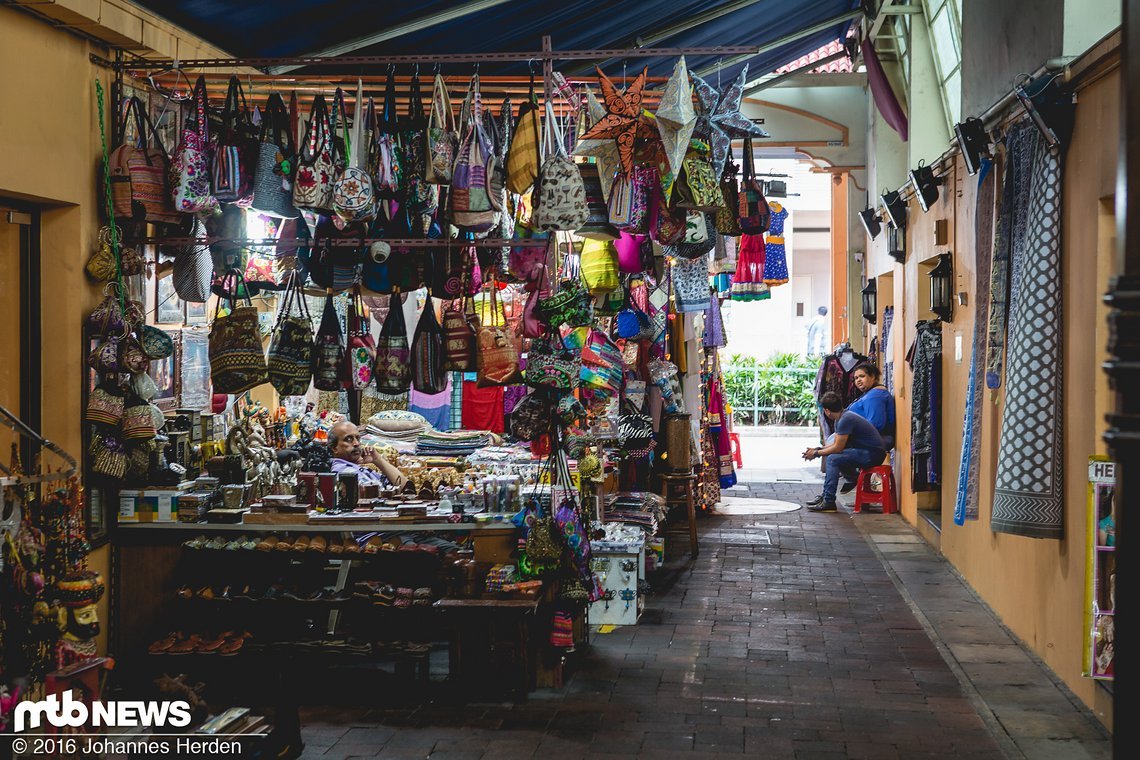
(195,313)
(168,306)
(194,370)
(166,379)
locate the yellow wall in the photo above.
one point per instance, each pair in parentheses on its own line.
(1036,587)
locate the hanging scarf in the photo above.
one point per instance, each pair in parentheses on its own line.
(718,430)
(966,501)
(1009,247)
(1028,496)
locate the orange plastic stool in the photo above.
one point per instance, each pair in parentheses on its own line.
(734,441)
(864,495)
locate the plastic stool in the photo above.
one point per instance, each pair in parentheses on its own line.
(864,495)
(734,441)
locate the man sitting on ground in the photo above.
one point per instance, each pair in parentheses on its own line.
(856,446)
(369,465)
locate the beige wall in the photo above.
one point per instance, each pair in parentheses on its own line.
(1037,587)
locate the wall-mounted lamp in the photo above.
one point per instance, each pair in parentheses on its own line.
(896,208)
(896,245)
(1050,107)
(925,185)
(973,142)
(942,288)
(871,222)
(870,301)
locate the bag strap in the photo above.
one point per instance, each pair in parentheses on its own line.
(201,103)
(235,105)
(390,122)
(295,119)
(749,163)
(416,114)
(275,125)
(340,120)
(441,114)
(317,132)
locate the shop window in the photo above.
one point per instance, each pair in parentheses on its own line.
(945,21)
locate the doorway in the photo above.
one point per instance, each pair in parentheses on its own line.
(20,333)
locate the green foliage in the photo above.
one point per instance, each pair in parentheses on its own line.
(772,391)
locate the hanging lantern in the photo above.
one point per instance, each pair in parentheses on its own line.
(973,142)
(925,186)
(896,245)
(870,222)
(941,288)
(871,301)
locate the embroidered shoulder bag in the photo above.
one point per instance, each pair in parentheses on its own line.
(190,170)
(237,361)
(393,370)
(291,348)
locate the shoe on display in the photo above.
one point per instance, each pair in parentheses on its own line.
(826,506)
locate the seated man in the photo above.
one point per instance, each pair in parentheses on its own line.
(857,444)
(367,463)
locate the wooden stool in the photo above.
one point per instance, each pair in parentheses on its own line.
(688,482)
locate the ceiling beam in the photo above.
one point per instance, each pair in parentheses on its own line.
(779,43)
(399,30)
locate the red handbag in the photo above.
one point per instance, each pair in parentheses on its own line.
(360,356)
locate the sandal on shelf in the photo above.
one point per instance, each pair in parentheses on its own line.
(234,544)
(212,645)
(233,645)
(334,547)
(373,545)
(269,543)
(384,596)
(188,645)
(162,646)
(204,593)
(250,544)
(217,543)
(195,543)
(301,543)
(317,544)
(350,546)
(184,592)
(285,543)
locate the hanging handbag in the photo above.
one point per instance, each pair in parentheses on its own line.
(328,350)
(190,169)
(441,140)
(147,171)
(353,199)
(388,159)
(754,214)
(237,361)
(316,166)
(559,196)
(531,417)
(528,262)
(470,197)
(107,319)
(428,375)
(104,408)
(666,226)
(700,237)
(497,359)
(634,253)
(290,360)
(632,323)
(360,355)
(276,163)
(525,155)
(697,187)
(599,266)
(236,149)
(393,371)
(459,328)
(568,306)
(421,195)
(156,343)
(194,267)
(548,366)
(728,215)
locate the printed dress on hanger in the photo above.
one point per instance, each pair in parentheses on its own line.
(775,256)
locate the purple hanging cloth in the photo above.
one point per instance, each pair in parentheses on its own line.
(884,94)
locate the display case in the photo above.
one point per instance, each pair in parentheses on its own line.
(1100,659)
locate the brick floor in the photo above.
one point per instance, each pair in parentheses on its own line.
(805,648)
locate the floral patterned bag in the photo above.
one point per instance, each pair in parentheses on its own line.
(360,357)
(190,169)
(316,165)
(440,139)
(393,371)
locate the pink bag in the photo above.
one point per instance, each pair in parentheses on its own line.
(630,249)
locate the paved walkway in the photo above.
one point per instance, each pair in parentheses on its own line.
(793,635)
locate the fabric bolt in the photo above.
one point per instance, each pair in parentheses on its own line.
(925,358)
(1028,496)
(482,407)
(1009,244)
(966,498)
(775,255)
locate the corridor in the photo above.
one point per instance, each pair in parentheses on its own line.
(794,635)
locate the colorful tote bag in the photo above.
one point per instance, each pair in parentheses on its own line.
(428,375)
(754,214)
(560,196)
(190,169)
(470,196)
(316,165)
(237,362)
(328,350)
(393,371)
(459,328)
(235,153)
(525,155)
(441,140)
(291,348)
(498,357)
(276,163)
(360,356)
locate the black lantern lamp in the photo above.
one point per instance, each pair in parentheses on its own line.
(896,209)
(973,142)
(896,245)
(942,288)
(925,185)
(1050,107)
(871,222)
(871,301)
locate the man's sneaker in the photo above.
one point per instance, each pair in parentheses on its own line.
(823,506)
(847,487)
(816,501)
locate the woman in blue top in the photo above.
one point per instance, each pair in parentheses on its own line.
(876,405)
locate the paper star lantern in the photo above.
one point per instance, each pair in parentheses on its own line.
(720,119)
(622,121)
(676,116)
(604,150)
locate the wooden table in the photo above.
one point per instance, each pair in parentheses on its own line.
(685,494)
(480,628)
